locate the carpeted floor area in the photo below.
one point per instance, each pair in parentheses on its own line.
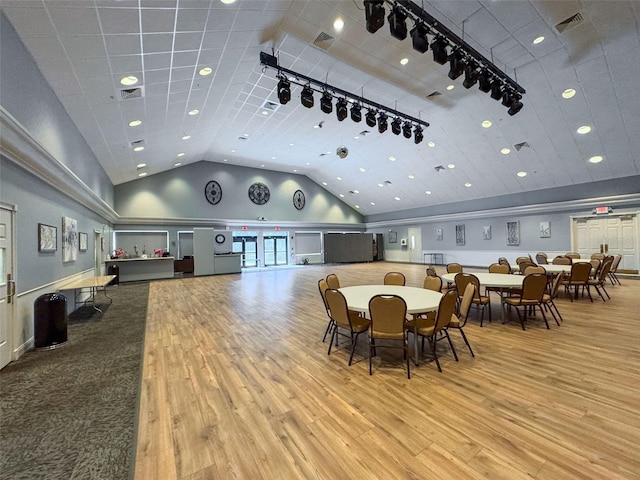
(71,413)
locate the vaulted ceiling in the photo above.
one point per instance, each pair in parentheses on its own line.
(85,47)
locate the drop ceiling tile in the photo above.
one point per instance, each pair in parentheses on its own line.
(123,44)
(215,40)
(75,21)
(157,61)
(191,20)
(220,20)
(158,89)
(29,20)
(119,20)
(85,46)
(187,41)
(44,47)
(90,66)
(158,20)
(184,59)
(157,43)
(156,76)
(126,63)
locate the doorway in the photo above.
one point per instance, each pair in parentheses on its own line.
(275,249)
(246,243)
(7,284)
(415,245)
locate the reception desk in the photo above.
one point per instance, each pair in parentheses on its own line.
(227,263)
(135,269)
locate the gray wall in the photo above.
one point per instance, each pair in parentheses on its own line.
(179,193)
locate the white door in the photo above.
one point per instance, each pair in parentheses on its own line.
(7,284)
(613,235)
(415,245)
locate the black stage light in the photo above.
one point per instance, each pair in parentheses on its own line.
(496,90)
(284,91)
(341,109)
(439,49)
(457,64)
(356,113)
(484,81)
(508,98)
(306,97)
(374,14)
(382,122)
(516,106)
(370,118)
(406,130)
(396,126)
(397,23)
(419,37)
(326,102)
(471,76)
(417,135)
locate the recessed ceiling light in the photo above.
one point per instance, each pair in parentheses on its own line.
(362,169)
(324,183)
(596,159)
(431,144)
(505,151)
(129,80)
(295,170)
(467,184)
(135,123)
(356,137)
(342,195)
(381,184)
(356,191)
(522,174)
(205,71)
(487,123)
(412,177)
(392,158)
(397,198)
(273,158)
(584,129)
(428,192)
(316,126)
(177,164)
(139,148)
(338,24)
(450,87)
(142,174)
(568,93)
(262,166)
(404,61)
(538,40)
(186,137)
(225,160)
(291,144)
(181,154)
(264,112)
(227,1)
(195,111)
(357,206)
(451,165)
(141,165)
(245,135)
(338,178)
(373,203)
(308,163)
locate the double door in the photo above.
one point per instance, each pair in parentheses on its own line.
(612,235)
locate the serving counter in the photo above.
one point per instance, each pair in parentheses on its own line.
(139,268)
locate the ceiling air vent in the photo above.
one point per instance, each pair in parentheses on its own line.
(438,168)
(387,182)
(270,106)
(323,154)
(365,132)
(324,40)
(520,146)
(571,22)
(242,138)
(434,94)
(129,93)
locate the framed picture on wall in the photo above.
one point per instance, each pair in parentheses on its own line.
(393,237)
(438,234)
(486,232)
(83,239)
(459,234)
(545,229)
(69,239)
(47,238)
(513,233)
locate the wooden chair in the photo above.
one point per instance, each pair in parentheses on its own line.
(432,328)
(596,265)
(548,298)
(339,311)
(614,268)
(598,283)
(454,268)
(533,288)
(541,258)
(461,281)
(394,278)
(562,260)
(323,287)
(579,277)
(388,323)
(460,320)
(333,281)
(432,283)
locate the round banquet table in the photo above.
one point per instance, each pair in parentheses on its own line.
(550,268)
(418,300)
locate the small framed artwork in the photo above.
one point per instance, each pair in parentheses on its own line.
(513,233)
(83,239)
(393,237)
(459,234)
(545,229)
(69,239)
(47,238)
(438,234)
(486,232)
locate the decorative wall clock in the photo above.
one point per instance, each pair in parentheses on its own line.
(220,238)
(298,199)
(259,193)
(213,192)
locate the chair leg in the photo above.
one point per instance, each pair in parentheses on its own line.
(353,347)
(334,333)
(370,355)
(543,315)
(600,293)
(549,307)
(605,291)
(406,355)
(453,349)
(328,329)
(520,317)
(432,342)
(464,337)
(588,292)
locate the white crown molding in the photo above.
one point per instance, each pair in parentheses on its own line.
(21,148)
(627,200)
(237,223)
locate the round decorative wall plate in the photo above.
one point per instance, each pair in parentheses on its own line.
(298,199)
(259,193)
(213,192)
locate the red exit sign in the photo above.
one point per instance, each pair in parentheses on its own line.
(244,228)
(601,210)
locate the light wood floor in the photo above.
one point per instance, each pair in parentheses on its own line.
(237,384)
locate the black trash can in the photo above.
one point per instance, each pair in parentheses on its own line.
(114,270)
(50,320)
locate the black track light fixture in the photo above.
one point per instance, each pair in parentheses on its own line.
(356,113)
(326,102)
(341,109)
(370,118)
(516,106)
(508,99)
(419,37)
(457,64)
(396,126)
(496,90)
(397,23)
(382,122)
(471,76)
(284,91)
(439,49)
(484,81)
(406,130)
(417,135)
(374,14)
(306,96)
